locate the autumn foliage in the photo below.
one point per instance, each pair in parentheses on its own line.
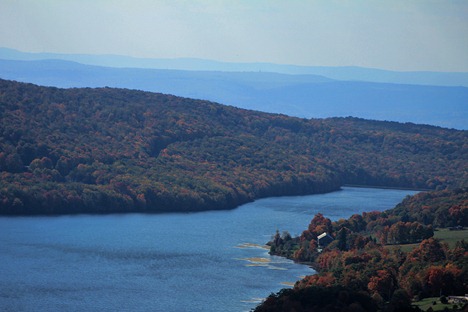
(363,258)
(115,150)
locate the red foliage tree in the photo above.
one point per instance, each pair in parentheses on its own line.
(320,224)
(384,283)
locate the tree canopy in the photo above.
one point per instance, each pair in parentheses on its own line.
(117,150)
(363,257)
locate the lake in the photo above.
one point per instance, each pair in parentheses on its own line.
(206,261)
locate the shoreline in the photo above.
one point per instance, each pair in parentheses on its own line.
(387,187)
(314,265)
(181,211)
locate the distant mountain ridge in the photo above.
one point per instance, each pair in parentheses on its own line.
(306,96)
(353,73)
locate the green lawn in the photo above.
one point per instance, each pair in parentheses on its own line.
(451,237)
(428,303)
(405,247)
(445,235)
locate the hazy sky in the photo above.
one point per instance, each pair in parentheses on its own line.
(390,34)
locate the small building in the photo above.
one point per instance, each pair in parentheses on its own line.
(323,240)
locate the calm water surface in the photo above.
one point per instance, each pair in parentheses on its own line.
(208,261)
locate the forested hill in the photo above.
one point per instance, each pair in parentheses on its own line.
(116,150)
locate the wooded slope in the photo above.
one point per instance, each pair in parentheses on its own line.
(116,150)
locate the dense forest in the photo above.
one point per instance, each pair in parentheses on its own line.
(117,150)
(366,265)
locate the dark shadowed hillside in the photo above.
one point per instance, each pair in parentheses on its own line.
(116,150)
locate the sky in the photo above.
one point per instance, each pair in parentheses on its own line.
(404,35)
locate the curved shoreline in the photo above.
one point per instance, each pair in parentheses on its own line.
(387,187)
(266,194)
(230,206)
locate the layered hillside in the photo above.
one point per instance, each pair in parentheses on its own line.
(116,150)
(305,96)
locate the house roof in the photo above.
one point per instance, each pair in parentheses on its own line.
(324,234)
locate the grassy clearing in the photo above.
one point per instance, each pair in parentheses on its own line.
(451,237)
(427,303)
(445,235)
(405,247)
